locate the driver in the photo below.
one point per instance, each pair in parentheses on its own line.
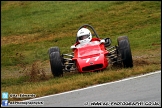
(84,36)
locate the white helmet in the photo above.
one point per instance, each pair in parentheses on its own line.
(84,36)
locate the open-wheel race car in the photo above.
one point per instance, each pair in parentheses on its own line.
(90,53)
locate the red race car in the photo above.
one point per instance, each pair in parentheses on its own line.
(90,54)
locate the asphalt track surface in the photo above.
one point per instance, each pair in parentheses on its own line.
(144,90)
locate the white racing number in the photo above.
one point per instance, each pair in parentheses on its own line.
(96,58)
(87,59)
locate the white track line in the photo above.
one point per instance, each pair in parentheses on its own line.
(98,85)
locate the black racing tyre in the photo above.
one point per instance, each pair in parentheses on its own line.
(56,64)
(53,49)
(125,51)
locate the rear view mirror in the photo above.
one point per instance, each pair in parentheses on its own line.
(107,42)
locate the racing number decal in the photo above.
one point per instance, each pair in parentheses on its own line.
(87,60)
(96,58)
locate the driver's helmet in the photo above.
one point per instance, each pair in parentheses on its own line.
(84,36)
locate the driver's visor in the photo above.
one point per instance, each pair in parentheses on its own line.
(83,37)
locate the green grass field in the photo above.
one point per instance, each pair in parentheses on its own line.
(30,28)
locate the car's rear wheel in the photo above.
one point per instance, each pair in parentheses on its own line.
(56,62)
(125,51)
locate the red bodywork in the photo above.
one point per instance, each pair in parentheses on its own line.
(90,57)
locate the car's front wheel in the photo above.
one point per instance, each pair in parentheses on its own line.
(125,51)
(54,49)
(56,63)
